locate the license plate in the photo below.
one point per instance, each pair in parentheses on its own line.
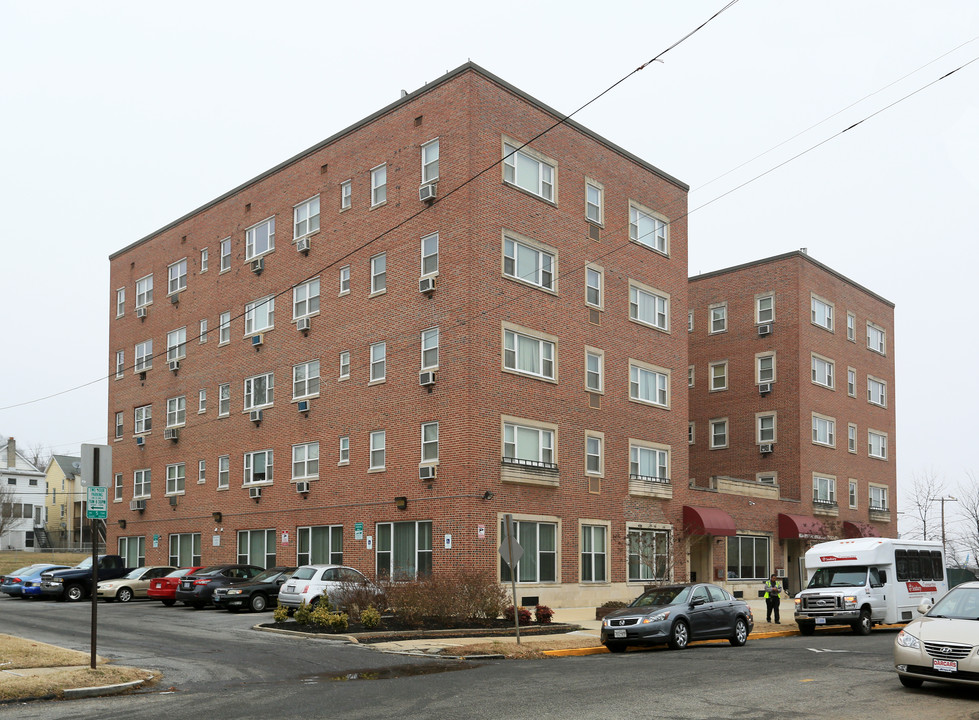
(820,621)
(620,633)
(290,588)
(949,666)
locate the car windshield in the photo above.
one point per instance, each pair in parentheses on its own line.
(136,574)
(23,571)
(960,603)
(846,576)
(304,573)
(86,563)
(662,596)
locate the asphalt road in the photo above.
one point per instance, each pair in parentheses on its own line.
(214,665)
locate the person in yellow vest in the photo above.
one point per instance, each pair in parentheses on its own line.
(773,590)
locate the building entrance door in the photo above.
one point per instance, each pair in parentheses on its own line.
(700,558)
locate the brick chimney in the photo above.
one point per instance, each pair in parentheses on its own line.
(11,453)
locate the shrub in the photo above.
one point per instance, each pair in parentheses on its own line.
(543,614)
(320,615)
(303,613)
(338,622)
(324,602)
(351,597)
(523,612)
(448,598)
(370,618)
(280,614)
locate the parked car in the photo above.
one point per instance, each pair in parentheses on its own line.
(135,584)
(196,589)
(165,588)
(940,645)
(311,582)
(254,595)
(13,583)
(75,583)
(675,615)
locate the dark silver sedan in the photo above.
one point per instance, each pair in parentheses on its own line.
(675,615)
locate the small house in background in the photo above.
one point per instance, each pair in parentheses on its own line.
(21,499)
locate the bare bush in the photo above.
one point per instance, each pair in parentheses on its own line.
(447,598)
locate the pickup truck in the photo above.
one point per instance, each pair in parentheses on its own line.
(75,583)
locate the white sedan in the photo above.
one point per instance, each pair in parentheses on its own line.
(135,584)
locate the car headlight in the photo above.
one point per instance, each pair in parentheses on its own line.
(234,592)
(658,617)
(798,602)
(906,639)
(850,601)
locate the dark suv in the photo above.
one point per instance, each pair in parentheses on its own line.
(196,589)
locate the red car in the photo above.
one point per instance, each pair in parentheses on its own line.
(165,588)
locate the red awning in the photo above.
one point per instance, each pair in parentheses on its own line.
(859,529)
(802,527)
(708,521)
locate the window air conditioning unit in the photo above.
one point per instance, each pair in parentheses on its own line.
(426,378)
(174,365)
(427,472)
(137,505)
(303,406)
(175,298)
(780,572)
(171,434)
(765,449)
(255,416)
(173,501)
(764,388)
(765,329)
(140,441)
(258,265)
(302,324)
(301,487)
(303,246)
(257,340)
(426,285)
(426,193)
(141,313)
(255,493)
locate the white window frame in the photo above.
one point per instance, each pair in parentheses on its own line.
(530,171)
(877,444)
(306,461)
(142,479)
(260,239)
(177,277)
(594,453)
(766,428)
(430,161)
(763,374)
(595,287)
(880,502)
(225,255)
(851,382)
(430,349)
(823,371)
(641,297)
(120,302)
(378,451)
(823,489)
(594,202)
(765,315)
(876,338)
(260,315)
(717,318)
(718,380)
(224,399)
(224,328)
(430,255)
(177,411)
(822,312)
(640,371)
(378,365)
(346,195)
(144,356)
(202,401)
(379,274)
(201,472)
(594,370)
(543,347)
(120,363)
(876,391)
(344,365)
(257,397)
(144,291)
(120,424)
(529,444)
(851,438)
(379,185)
(851,327)
(176,479)
(117,491)
(306,218)
(250,474)
(649,456)
(719,436)
(853,494)
(656,236)
(306,380)
(204,260)
(544,271)
(177,344)
(344,450)
(823,430)
(594,552)
(430,443)
(224,471)
(202,335)
(344,280)
(306,299)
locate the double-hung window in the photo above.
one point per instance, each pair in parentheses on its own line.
(528,355)
(648,385)
(120,363)
(344,364)
(823,430)
(718,376)
(204,253)
(647,229)
(593,553)
(766,368)
(851,382)
(141,484)
(224,328)
(379,273)
(851,438)
(593,287)
(346,194)
(822,371)
(430,254)
(876,391)
(144,291)
(378,449)
(430,161)
(526,445)
(176,411)
(344,450)
(430,442)
(718,434)
(224,471)
(379,185)
(177,277)
(877,445)
(765,309)
(259,391)
(225,253)
(430,348)
(378,361)
(648,552)
(202,400)
(594,371)
(593,454)
(306,379)
(344,280)
(851,327)
(120,302)
(593,202)
(306,299)
(258,467)
(718,318)
(305,461)
(649,308)
(878,498)
(177,344)
(522,261)
(224,399)
(766,428)
(176,478)
(648,463)
(201,472)
(853,493)
(144,356)
(260,315)
(529,171)
(119,425)
(876,338)
(823,490)
(260,239)
(822,313)
(306,218)
(202,335)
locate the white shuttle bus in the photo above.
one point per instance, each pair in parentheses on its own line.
(864,581)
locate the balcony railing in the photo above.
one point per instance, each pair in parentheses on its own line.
(650,479)
(823,503)
(535,464)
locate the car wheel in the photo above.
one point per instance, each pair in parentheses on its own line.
(910,682)
(615,647)
(740,636)
(124,595)
(197,605)
(74,592)
(258,602)
(679,635)
(807,628)
(864,624)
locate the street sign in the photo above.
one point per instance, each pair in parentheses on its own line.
(97,503)
(358,531)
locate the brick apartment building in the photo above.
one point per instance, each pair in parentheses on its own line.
(792,422)
(323,364)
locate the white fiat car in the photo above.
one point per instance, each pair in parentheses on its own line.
(311,582)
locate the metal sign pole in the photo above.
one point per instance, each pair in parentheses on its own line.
(95,559)
(508,519)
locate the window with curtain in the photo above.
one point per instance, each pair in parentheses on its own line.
(539,560)
(319,545)
(648,552)
(747,558)
(256,547)
(404,550)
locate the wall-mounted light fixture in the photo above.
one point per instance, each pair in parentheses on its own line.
(122,524)
(216,516)
(488,495)
(401,502)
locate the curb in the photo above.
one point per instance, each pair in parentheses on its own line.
(98,691)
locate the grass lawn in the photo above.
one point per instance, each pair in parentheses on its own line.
(10,561)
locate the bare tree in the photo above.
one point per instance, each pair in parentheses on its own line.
(38,455)
(967,539)
(7,514)
(920,507)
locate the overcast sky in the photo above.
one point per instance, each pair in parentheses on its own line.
(119,117)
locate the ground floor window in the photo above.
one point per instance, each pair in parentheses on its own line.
(539,560)
(256,547)
(322,545)
(133,550)
(593,553)
(404,549)
(747,558)
(185,550)
(649,552)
